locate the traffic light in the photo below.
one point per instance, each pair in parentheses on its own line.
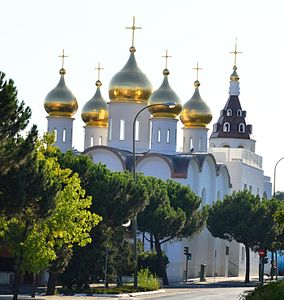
(188,256)
(265,259)
(185,251)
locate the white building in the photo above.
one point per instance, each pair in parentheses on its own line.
(230,162)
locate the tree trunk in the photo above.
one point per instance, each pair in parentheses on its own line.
(160,260)
(16,284)
(151,242)
(51,284)
(247,264)
(272,266)
(34,284)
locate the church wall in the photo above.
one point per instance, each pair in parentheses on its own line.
(95,136)
(154,166)
(107,158)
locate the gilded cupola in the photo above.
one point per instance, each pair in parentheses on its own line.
(130,84)
(195,112)
(60,101)
(95,112)
(164,95)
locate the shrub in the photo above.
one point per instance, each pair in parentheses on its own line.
(147,281)
(271,291)
(149,260)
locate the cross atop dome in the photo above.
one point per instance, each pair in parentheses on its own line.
(235,52)
(62,57)
(166,57)
(197,68)
(133,28)
(99,68)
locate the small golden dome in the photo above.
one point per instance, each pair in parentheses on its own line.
(60,101)
(130,84)
(95,111)
(234,76)
(163,95)
(195,112)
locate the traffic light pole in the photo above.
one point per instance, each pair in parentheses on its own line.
(186,268)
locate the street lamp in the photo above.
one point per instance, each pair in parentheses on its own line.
(170,105)
(274,192)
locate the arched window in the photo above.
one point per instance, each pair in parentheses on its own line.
(227,127)
(265,195)
(110,129)
(55,135)
(190,143)
(229,112)
(159,136)
(122,130)
(64,135)
(137,129)
(200,144)
(100,140)
(92,141)
(226,146)
(242,127)
(218,195)
(241,146)
(239,112)
(203,196)
(168,136)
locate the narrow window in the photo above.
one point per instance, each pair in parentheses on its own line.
(239,112)
(55,135)
(100,140)
(92,141)
(110,129)
(203,196)
(137,124)
(227,250)
(190,144)
(229,112)
(64,135)
(168,136)
(200,144)
(245,186)
(159,136)
(175,136)
(241,127)
(226,127)
(243,254)
(122,130)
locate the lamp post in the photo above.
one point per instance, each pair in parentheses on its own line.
(274,193)
(170,105)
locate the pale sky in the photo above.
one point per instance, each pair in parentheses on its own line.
(34,32)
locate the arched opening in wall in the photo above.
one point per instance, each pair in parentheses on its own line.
(55,135)
(100,140)
(159,136)
(64,135)
(229,112)
(242,127)
(226,127)
(241,146)
(203,196)
(168,136)
(110,129)
(226,146)
(137,129)
(122,130)
(212,145)
(239,112)
(190,143)
(92,141)
(264,195)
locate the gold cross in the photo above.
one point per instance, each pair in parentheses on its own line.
(133,28)
(235,53)
(63,56)
(197,70)
(99,70)
(166,57)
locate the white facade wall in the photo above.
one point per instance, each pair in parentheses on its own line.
(63,129)
(195,139)
(121,138)
(248,144)
(95,136)
(164,135)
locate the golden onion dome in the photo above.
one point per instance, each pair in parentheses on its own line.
(195,112)
(60,101)
(164,95)
(234,76)
(95,111)
(130,84)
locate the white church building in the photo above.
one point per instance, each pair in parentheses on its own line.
(229,162)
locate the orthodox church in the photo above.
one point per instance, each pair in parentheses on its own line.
(140,120)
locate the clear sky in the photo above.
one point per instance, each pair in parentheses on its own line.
(34,32)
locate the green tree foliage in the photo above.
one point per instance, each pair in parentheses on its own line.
(172,213)
(34,239)
(17,153)
(116,199)
(279,195)
(245,218)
